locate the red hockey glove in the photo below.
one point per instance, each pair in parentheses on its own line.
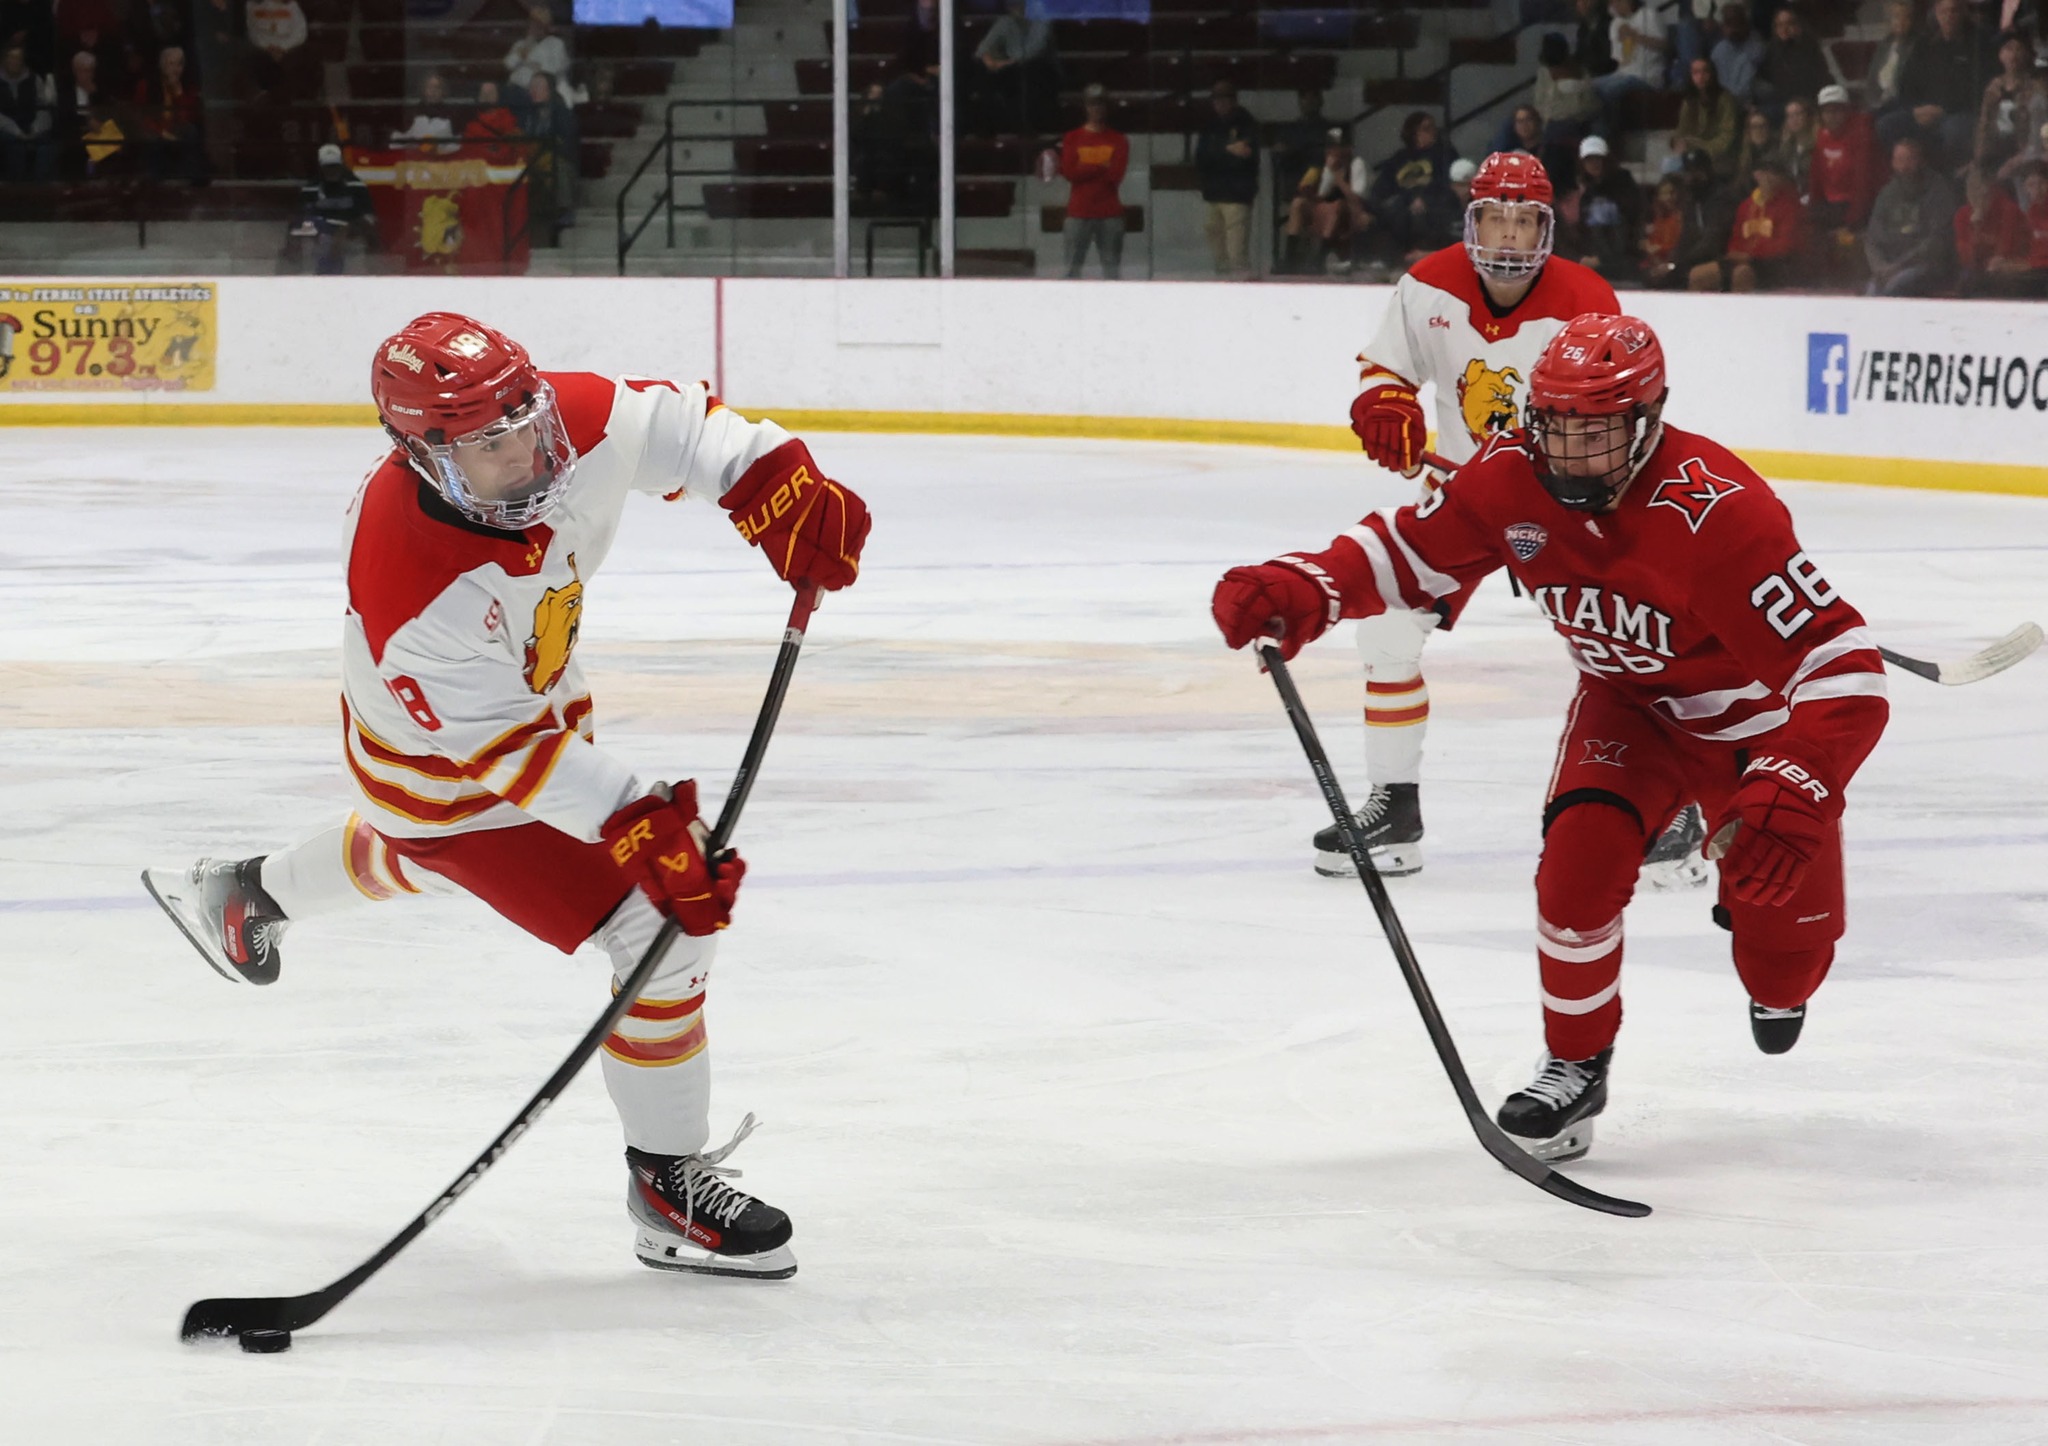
(1297,592)
(658,842)
(811,528)
(1782,814)
(1390,426)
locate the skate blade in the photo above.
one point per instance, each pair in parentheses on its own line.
(1394,861)
(669,1252)
(1570,1143)
(169,887)
(1670,876)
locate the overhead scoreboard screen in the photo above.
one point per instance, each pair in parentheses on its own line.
(669,14)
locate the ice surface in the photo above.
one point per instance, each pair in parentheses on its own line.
(1102,1119)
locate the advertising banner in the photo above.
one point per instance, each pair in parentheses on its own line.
(459,209)
(156,336)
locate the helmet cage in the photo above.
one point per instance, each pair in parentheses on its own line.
(447,464)
(1624,448)
(1507,263)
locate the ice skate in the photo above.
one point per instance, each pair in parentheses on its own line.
(1675,861)
(1553,1118)
(221,906)
(1391,821)
(1775,1030)
(687,1216)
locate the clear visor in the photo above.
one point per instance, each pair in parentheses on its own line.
(1587,460)
(1508,239)
(509,474)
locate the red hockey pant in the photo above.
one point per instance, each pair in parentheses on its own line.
(556,888)
(1621,775)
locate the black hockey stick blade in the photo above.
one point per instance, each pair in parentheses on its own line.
(239,1315)
(1982,664)
(1492,1138)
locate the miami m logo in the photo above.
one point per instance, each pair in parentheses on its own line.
(1694,491)
(1600,750)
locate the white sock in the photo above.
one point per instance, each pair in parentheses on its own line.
(1396,697)
(338,868)
(656,1063)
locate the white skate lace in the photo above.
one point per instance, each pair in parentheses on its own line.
(697,1178)
(1375,807)
(1561,1082)
(1760,1011)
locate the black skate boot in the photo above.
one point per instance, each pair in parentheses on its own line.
(689,1218)
(1675,861)
(1553,1118)
(221,906)
(1775,1030)
(1391,821)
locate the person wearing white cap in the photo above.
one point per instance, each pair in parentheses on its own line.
(1599,220)
(335,206)
(1842,182)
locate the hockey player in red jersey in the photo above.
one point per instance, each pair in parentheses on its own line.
(1471,320)
(1717,664)
(467,727)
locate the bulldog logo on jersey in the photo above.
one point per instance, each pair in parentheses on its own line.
(1526,539)
(556,622)
(1487,398)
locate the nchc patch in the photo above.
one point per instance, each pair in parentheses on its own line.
(1526,539)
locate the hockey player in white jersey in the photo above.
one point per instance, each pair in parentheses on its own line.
(1471,320)
(467,726)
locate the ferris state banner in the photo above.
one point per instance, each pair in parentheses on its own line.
(156,336)
(455,209)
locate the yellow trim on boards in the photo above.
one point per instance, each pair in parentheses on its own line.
(1953,476)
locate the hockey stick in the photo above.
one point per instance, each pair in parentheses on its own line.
(1491,1136)
(1980,665)
(274,1317)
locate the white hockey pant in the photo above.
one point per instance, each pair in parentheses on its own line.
(1396,698)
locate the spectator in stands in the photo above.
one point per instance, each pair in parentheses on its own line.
(1601,218)
(89,139)
(1410,183)
(1663,229)
(1016,73)
(278,64)
(167,115)
(546,120)
(1888,61)
(1447,221)
(334,212)
(1298,144)
(1910,243)
(1227,159)
(1844,179)
(1795,144)
(1941,88)
(433,119)
(538,52)
(1522,130)
(1706,216)
(1739,51)
(1758,141)
(1792,65)
(1592,44)
(1991,232)
(1637,37)
(2026,276)
(27,119)
(1330,207)
(2015,106)
(1093,158)
(95,26)
(1765,243)
(1565,99)
(1709,119)
(492,119)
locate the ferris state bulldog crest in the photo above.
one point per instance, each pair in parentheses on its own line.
(158,336)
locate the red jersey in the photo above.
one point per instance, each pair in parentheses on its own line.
(1693,600)
(1766,230)
(2037,227)
(2000,231)
(1093,163)
(1843,173)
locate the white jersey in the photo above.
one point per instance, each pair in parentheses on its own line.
(1442,328)
(463,705)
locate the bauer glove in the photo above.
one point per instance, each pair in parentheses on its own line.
(811,528)
(658,843)
(1781,815)
(1298,594)
(1390,426)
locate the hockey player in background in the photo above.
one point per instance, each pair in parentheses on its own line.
(1717,664)
(1472,320)
(467,726)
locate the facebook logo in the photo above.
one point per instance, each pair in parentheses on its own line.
(1827,371)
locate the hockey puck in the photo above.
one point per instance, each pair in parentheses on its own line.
(266,1343)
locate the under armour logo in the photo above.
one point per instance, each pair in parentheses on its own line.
(533,555)
(1599,750)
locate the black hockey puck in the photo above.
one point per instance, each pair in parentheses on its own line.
(266,1343)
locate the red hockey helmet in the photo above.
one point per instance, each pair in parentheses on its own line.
(474,418)
(1595,399)
(1508,222)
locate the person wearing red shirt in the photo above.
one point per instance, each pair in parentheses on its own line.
(168,109)
(2024,271)
(1991,234)
(1093,158)
(1763,247)
(1844,179)
(1715,663)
